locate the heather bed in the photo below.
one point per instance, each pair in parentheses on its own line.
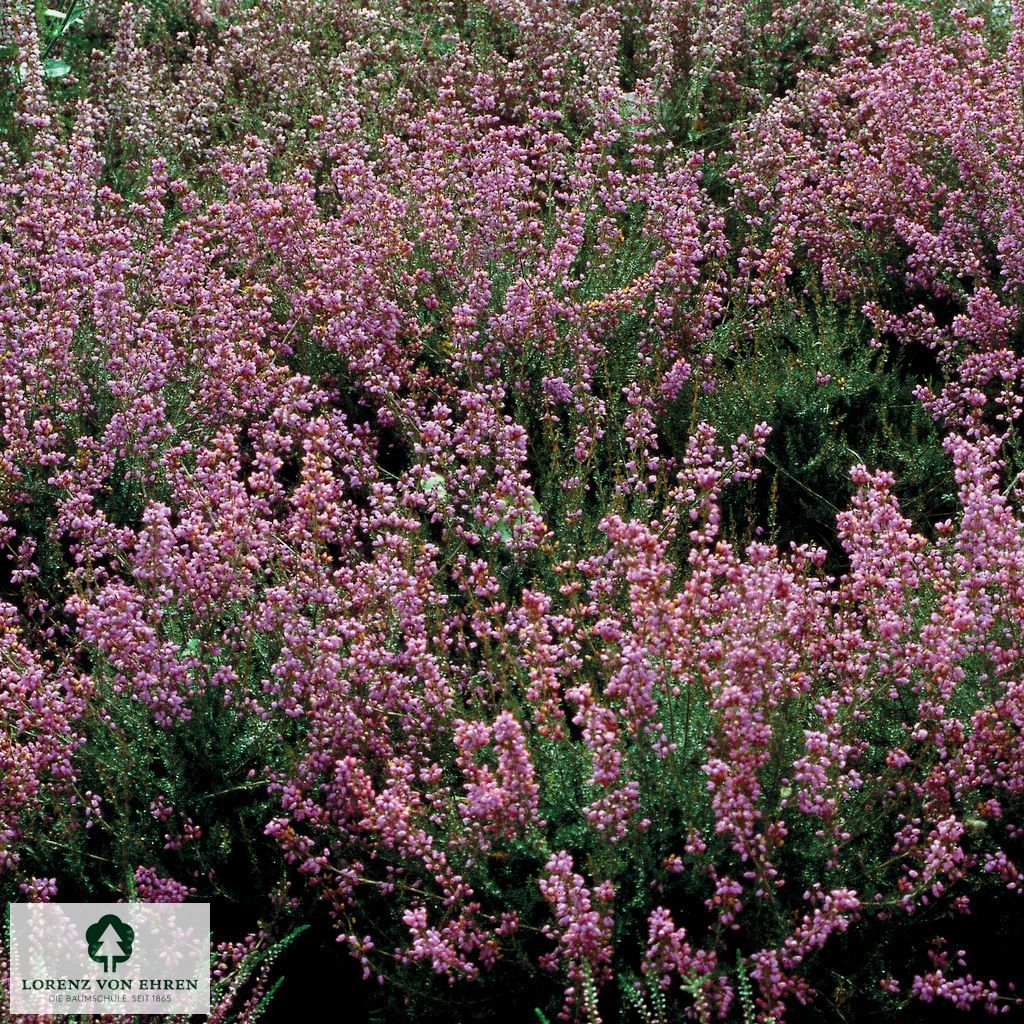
(519,505)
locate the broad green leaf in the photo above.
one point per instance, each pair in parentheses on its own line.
(74,16)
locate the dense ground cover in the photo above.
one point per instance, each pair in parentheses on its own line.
(530,492)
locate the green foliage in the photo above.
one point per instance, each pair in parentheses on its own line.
(256,968)
(832,399)
(746,991)
(214,766)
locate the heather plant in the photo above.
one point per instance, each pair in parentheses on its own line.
(832,398)
(533,490)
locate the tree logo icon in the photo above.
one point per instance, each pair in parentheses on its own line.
(110,942)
